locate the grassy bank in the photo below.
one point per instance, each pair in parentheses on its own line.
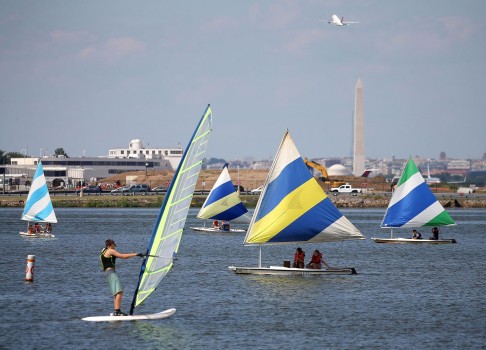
(250,201)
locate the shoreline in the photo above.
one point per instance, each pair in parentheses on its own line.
(250,201)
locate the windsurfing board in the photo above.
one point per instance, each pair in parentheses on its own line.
(158,316)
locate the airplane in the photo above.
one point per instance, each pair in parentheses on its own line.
(339,22)
(431,180)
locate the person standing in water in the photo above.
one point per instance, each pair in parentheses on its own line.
(107,259)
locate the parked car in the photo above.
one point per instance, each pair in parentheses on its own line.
(242,189)
(117,191)
(159,189)
(133,189)
(90,189)
(257,190)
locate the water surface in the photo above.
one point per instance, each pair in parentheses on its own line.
(404,296)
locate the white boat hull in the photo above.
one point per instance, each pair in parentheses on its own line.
(36,235)
(158,316)
(287,271)
(217,230)
(413,241)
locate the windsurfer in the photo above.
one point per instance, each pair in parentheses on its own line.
(317,261)
(299,257)
(107,258)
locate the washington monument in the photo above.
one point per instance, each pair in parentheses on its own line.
(358,149)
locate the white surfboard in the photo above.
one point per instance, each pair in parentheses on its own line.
(157,316)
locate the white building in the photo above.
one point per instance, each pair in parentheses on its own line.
(68,171)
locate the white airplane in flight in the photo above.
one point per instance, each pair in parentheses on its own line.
(339,22)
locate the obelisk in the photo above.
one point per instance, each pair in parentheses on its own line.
(358,149)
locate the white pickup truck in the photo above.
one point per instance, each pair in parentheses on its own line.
(347,188)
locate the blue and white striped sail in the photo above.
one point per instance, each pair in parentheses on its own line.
(413,204)
(38,206)
(223,202)
(169,226)
(293,207)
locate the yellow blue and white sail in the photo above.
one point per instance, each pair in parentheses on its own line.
(293,207)
(413,204)
(167,232)
(38,206)
(223,202)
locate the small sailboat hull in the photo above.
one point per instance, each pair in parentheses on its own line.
(217,230)
(158,316)
(36,235)
(289,271)
(413,241)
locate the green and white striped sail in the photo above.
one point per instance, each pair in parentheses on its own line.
(169,226)
(413,204)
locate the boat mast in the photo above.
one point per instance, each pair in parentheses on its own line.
(260,257)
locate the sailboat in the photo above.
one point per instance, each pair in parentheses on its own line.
(38,207)
(414,205)
(223,203)
(167,232)
(292,209)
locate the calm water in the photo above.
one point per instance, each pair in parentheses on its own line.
(404,296)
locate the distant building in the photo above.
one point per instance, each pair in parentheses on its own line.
(69,171)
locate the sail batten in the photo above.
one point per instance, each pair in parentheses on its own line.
(169,226)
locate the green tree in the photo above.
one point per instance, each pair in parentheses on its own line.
(60,152)
(3,157)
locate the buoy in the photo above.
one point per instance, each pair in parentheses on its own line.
(29,270)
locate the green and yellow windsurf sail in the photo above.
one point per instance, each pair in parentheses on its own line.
(169,226)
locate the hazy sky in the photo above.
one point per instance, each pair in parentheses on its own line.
(92,75)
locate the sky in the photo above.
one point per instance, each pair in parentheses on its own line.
(87,76)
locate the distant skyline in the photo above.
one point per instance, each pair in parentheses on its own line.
(89,76)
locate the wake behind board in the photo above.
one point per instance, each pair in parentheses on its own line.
(158,316)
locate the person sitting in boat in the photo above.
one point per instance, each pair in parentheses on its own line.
(31,230)
(37,227)
(416,235)
(216,224)
(317,261)
(299,257)
(48,228)
(435,234)
(225,226)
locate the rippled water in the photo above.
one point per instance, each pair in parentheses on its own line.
(404,296)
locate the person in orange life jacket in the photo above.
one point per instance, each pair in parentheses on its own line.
(299,258)
(317,261)
(216,224)
(107,259)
